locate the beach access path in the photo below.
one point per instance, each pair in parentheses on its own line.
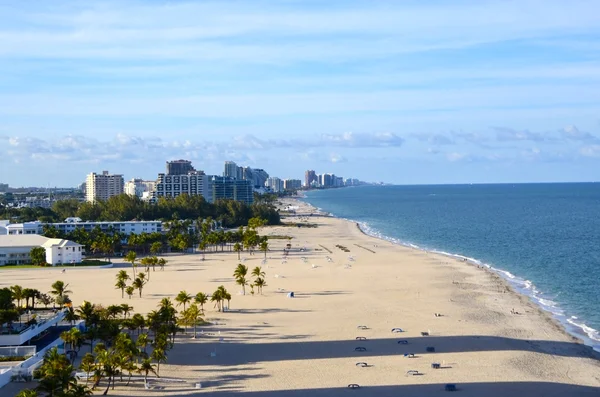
(450,313)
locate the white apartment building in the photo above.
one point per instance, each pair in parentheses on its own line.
(275,184)
(137,187)
(70,224)
(15,249)
(103,186)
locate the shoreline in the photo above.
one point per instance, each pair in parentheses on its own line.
(581,337)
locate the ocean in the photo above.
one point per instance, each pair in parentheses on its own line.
(543,238)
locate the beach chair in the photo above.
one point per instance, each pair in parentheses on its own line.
(396,330)
(362,327)
(409,355)
(361,338)
(360,349)
(435,365)
(424,333)
(362,364)
(353,386)
(413,372)
(450,387)
(403,342)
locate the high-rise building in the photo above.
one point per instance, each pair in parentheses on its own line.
(193,183)
(224,187)
(103,186)
(179,167)
(3,187)
(137,187)
(309,177)
(275,184)
(232,170)
(292,184)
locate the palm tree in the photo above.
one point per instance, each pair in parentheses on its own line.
(147,367)
(227,297)
(237,247)
(121,284)
(183,298)
(201,298)
(260,283)
(240,273)
(71,316)
(17,294)
(138,284)
(156,247)
(55,374)
(126,309)
(142,341)
(264,246)
(87,312)
(258,272)
(162,262)
(217,298)
(88,364)
(192,315)
(159,355)
(241,280)
(27,393)
(129,291)
(131,258)
(59,290)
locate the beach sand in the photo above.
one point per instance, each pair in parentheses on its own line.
(275,346)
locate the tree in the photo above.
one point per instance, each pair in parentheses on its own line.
(260,283)
(183,298)
(138,284)
(129,291)
(27,393)
(217,297)
(38,256)
(131,258)
(258,272)
(237,247)
(121,284)
(192,315)
(201,298)
(147,367)
(45,300)
(264,247)
(17,294)
(240,273)
(156,247)
(59,290)
(55,374)
(162,262)
(88,364)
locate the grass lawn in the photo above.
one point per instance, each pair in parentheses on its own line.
(89,262)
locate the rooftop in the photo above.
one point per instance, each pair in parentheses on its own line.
(22,240)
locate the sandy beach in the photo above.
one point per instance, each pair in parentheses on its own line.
(272,345)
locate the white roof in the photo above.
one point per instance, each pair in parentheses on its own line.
(22,240)
(57,242)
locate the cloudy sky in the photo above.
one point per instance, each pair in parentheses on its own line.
(397,91)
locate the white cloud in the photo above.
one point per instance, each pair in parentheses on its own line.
(504,134)
(590,151)
(337,158)
(571,132)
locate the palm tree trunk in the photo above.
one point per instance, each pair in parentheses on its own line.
(107,387)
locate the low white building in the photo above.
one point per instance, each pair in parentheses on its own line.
(70,224)
(15,249)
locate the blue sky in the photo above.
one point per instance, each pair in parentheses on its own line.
(396,91)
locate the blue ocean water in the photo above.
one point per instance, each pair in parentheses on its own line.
(543,238)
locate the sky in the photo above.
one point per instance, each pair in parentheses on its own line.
(407,92)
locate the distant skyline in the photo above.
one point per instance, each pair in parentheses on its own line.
(406,92)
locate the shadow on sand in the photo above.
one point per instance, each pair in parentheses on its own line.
(541,389)
(239,353)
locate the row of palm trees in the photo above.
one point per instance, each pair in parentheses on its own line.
(121,344)
(240,274)
(58,295)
